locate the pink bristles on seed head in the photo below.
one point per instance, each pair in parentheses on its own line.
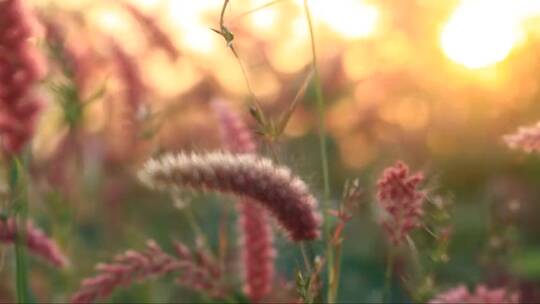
(35,240)
(274,187)
(256,236)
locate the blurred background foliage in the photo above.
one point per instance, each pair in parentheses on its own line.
(433,83)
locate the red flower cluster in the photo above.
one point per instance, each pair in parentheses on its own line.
(398,196)
(21,67)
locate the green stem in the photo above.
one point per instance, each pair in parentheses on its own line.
(305,256)
(332,292)
(195,227)
(336,271)
(388,274)
(20,203)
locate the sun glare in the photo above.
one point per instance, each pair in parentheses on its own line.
(481,33)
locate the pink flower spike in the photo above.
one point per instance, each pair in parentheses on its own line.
(36,241)
(399,197)
(126,269)
(256,237)
(21,68)
(273,187)
(234,132)
(154,32)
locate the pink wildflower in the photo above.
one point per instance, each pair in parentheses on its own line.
(526,139)
(200,272)
(256,233)
(76,58)
(132,109)
(399,197)
(273,187)
(236,136)
(196,271)
(35,240)
(131,77)
(154,31)
(21,67)
(482,295)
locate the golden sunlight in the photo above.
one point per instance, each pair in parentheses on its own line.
(481,33)
(188,17)
(349,18)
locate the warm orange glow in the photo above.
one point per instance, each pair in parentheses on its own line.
(349,18)
(263,19)
(481,33)
(188,17)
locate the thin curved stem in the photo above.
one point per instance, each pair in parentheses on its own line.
(332,292)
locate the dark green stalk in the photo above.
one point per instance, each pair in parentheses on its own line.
(332,292)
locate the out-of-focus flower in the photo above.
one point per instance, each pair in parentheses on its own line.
(35,240)
(399,197)
(526,139)
(74,58)
(196,271)
(236,136)
(200,272)
(130,75)
(132,108)
(21,67)
(155,34)
(256,233)
(481,295)
(274,187)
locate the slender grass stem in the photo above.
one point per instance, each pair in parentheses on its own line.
(332,293)
(200,237)
(388,275)
(20,203)
(336,271)
(306,257)
(242,15)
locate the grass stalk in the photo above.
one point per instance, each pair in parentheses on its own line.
(18,196)
(388,275)
(332,292)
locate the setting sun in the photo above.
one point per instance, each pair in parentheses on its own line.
(481,33)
